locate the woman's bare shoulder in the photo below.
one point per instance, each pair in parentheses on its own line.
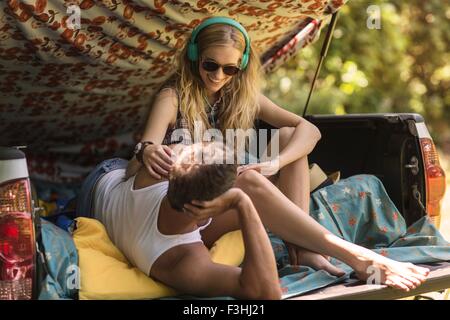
(168,93)
(165,105)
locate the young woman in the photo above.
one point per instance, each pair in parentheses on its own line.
(217,85)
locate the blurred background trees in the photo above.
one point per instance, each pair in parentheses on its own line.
(402,67)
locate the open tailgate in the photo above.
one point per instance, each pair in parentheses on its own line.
(353,289)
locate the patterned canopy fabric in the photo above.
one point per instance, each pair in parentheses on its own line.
(77,94)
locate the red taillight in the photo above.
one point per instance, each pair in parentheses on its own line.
(17,242)
(435,178)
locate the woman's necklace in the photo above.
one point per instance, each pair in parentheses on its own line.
(213,110)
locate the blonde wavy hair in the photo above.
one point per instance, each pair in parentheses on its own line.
(239,106)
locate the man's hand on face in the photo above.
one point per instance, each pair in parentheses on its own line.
(201,210)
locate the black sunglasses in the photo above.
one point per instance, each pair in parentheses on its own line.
(211,66)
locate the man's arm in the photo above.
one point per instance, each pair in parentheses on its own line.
(196,274)
(259,270)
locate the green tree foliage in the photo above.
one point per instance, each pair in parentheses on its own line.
(404,66)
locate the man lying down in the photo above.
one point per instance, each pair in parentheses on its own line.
(165,227)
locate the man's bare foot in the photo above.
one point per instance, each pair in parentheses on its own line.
(318,262)
(382,270)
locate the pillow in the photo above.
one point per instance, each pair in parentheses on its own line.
(106,273)
(61,258)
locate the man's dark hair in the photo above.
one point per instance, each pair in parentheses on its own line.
(202,182)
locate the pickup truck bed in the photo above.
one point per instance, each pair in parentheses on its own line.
(353,289)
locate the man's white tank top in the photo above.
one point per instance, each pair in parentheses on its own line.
(131,219)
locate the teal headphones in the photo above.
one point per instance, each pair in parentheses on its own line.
(192,50)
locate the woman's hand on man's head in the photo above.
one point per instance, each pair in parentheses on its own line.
(157,159)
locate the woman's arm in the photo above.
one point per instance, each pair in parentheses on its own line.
(163,114)
(304,138)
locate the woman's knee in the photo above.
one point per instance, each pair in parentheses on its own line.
(251,180)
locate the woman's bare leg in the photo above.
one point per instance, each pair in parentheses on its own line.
(293,182)
(293,179)
(292,224)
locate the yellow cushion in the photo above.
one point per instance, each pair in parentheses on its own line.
(106,273)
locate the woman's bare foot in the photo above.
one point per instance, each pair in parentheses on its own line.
(318,262)
(381,270)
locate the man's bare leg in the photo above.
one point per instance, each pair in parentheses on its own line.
(292,224)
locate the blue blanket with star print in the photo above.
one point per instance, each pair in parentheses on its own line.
(359,210)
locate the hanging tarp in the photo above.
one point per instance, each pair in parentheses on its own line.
(75,96)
